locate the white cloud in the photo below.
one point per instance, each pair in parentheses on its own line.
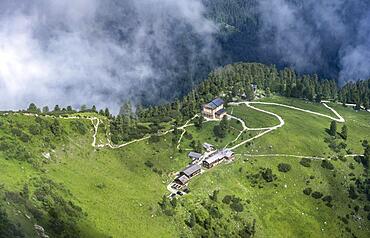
(77,52)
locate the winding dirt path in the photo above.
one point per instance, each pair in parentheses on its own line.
(267,130)
(95,121)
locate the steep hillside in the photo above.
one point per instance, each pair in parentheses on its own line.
(52,176)
(301,165)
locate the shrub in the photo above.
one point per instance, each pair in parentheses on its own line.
(316,195)
(237,206)
(268,176)
(55,128)
(327,198)
(367,208)
(283,167)
(219,132)
(21,135)
(307,191)
(306,162)
(352,193)
(149,164)
(79,126)
(327,165)
(214,212)
(35,129)
(227,199)
(342,158)
(154,139)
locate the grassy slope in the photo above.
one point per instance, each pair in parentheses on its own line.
(126,203)
(287,212)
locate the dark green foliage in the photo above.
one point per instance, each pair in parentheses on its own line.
(214,212)
(267,175)
(13,149)
(154,139)
(283,167)
(32,108)
(56,108)
(196,146)
(317,195)
(214,196)
(7,229)
(365,160)
(79,127)
(327,198)
(166,206)
(306,162)
(307,191)
(199,122)
(149,164)
(21,135)
(248,230)
(237,206)
(352,192)
(192,220)
(35,129)
(344,132)
(327,165)
(227,199)
(220,130)
(333,129)
(55,128)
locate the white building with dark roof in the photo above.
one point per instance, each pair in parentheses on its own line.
(218,157)
(214,109)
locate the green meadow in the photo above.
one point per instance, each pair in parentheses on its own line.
(118,192)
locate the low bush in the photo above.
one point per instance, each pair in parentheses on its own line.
(79,126)
(307,191)
(267,175)
(283,167)
(306,162)
(316,195)
(327,165)
(327,198)
(227,199)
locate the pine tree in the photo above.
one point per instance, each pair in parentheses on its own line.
(45,109)
(199,122)
(106,112)
(32,108)
(344,132)
(333,128)
(56,108)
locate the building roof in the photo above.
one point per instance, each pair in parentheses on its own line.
(228,153)
(215,103)
(208,146)
(190,170)
(183,179)
(215,158)
(194,155)
(220,112)
(219,156)
(218,102)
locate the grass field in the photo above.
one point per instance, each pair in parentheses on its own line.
(120,189)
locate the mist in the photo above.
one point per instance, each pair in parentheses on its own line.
(329,36)
(102,53)
(76,52)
